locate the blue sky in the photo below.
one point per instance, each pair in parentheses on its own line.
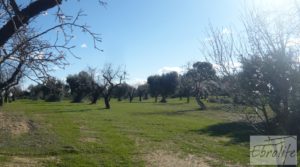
(146,36)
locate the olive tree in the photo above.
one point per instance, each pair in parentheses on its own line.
(81,85)
(154,86)
(131,92)
(167,85)
(185,86)
(142,90)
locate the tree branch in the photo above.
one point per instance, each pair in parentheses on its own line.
(32,10)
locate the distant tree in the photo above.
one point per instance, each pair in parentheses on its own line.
(36,92)
(50,90)
(203,76)
(120,91)
(17,92)
(67,91)
(185,86)
(154,86)
(131,91)
(53,89)
(111,78)
(95,93)
(81,85)
(142,91)
(96,87)
(167,85)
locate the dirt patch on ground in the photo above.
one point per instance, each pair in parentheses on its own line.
(29,161)
(87,135)
(13,124)
(162,158)
(88,139)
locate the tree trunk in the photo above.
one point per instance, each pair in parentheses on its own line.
(23,17)
(106,101)
(130,99)
(94,99)
(205,96)
(6,97)
(188,99)
(200,103)
(155,99)
(163,100)
(1,100)
(140,98)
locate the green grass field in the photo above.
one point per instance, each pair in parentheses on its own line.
(130,134)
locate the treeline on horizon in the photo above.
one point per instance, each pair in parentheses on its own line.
(199,80)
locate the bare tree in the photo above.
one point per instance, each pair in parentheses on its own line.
(267,48)
(25,50)
(111,78)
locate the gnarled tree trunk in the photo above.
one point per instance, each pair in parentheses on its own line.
(163,99)
(23,16)
(200,103)
(106,102)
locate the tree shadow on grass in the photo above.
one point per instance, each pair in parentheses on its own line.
(239,132)
(134,102)
(77,110)
(170,103)
(169,113)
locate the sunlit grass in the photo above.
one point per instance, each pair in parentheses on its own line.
(88,135)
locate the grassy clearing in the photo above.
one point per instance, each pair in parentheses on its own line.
(68,134)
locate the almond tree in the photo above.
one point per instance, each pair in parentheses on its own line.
(267,83)
(25,50)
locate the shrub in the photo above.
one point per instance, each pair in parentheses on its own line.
(53,98)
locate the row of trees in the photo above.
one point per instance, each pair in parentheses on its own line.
(198,81)
(163,85)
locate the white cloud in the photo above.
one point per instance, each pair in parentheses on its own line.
(234,67)
(163,70)
(84,45)
(135,82)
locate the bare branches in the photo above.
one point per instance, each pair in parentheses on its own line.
(26,50)
(113,77)
(268,49)
(219,48)
(32,10)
